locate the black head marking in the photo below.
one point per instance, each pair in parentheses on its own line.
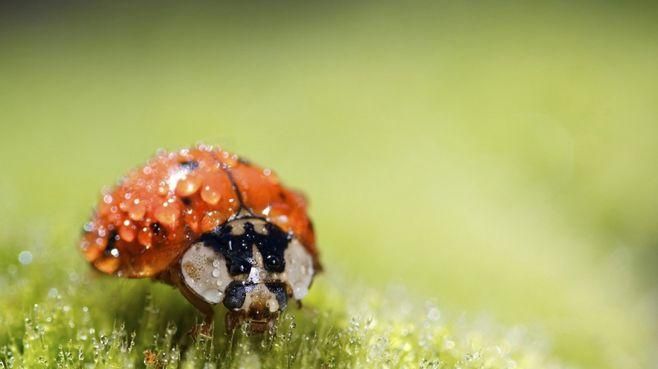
(279,290)
(238,249)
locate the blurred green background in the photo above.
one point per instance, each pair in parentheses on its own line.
(500,159)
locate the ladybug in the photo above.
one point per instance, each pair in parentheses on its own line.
(214,226)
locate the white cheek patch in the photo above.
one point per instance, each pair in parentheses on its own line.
(204,272)
(299,268)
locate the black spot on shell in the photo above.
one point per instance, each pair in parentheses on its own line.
(111,243)
(157,229)
(189,165)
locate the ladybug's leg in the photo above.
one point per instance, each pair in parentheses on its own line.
(233,320)
(203,307)
(206,327)
(173,277)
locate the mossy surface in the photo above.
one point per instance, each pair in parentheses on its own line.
(78,319)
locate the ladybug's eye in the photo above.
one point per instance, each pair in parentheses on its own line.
(299,268)
(204,272)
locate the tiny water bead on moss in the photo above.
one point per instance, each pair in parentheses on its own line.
(214,226)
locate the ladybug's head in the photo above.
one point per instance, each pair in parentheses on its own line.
(250,265)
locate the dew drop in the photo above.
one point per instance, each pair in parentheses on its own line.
(126,233)
(211,220)
(145,237)
(166,214)
(210,195)
(433,314)
(188,186)
(53,293)
(25,257)
(137,210)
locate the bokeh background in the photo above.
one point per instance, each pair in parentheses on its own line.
(498,158)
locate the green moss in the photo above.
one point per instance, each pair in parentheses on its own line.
(56,312)
(77,321)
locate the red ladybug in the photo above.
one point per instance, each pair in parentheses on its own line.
(216,227)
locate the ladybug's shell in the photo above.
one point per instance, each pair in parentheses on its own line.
(159,210)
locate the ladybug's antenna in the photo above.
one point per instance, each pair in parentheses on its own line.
(242,209)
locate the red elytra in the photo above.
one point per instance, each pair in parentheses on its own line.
(143,225)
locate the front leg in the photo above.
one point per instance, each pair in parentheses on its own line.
(173,277)
(204,329)
(233,320)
